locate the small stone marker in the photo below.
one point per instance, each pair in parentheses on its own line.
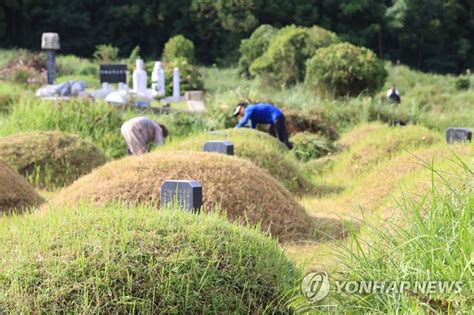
(113,73)
(454,135)
(225,147)
(50,43)
(186,193)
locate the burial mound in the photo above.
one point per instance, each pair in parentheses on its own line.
(15,192)
(244,191)
(50,159)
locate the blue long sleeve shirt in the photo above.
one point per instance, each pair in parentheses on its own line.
(261,113)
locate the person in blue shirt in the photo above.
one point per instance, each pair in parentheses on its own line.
(264,113)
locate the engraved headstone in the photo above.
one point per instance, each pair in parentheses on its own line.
(225,147)
(454,135)
(186,194)
(113,73)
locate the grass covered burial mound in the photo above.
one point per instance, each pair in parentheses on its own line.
(242,189)
(262,149)
(50,159)
(15,192)
(126,261)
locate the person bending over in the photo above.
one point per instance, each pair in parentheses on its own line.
(138,132)
(264,113)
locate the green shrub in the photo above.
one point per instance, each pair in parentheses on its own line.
(308,146)
(344,69)
(70,65)
(190,76)
(319,37)
(254,47)
(462,84)
(178,47)
(283,64)
(312,121)
(123,260)
(106,53)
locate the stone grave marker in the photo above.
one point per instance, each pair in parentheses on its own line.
(225,147)
(187,194)
(454,135)
(50,43)
(113,73)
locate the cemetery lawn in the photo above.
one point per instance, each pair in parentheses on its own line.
(388,202)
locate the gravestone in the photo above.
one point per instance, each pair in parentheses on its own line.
(176,82)
(454,135)
(187,194)
(113,73)
(225,147)
(50,43)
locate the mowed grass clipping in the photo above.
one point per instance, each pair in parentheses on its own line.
(262,149)
(50,159)
(15,192)
(121,260)
(244,191)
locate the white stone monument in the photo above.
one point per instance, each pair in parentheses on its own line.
(158,80)
(139,78)
(176,87)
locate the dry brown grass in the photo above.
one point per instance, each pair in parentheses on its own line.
(50,158)
(15,193)
(359,133)
(258,147)
(236,185)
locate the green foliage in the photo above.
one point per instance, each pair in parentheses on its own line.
(68,65)
(308,146)
(178,47)
(106,53)
(119,259)
(283,63)
(254,47)
(344,69)
(462,84)
(134,55)
(190,76)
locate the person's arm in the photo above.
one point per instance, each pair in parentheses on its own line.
(244,120)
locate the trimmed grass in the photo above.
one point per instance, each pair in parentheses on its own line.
(114,259)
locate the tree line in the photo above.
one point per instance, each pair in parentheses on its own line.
(431,35)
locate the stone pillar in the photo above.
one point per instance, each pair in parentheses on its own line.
(50,43)
(176,88)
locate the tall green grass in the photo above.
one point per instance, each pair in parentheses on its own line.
(433,240)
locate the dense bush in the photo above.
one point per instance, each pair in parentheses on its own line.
(255,46)
(307,146)
(311,121)
(178,47)
(123,260)
(344,69)
(462,84)
(106,53)
(283,63)
(190,76)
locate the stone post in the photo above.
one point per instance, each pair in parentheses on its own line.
(50,43)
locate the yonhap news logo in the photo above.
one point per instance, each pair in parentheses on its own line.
(316,286)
